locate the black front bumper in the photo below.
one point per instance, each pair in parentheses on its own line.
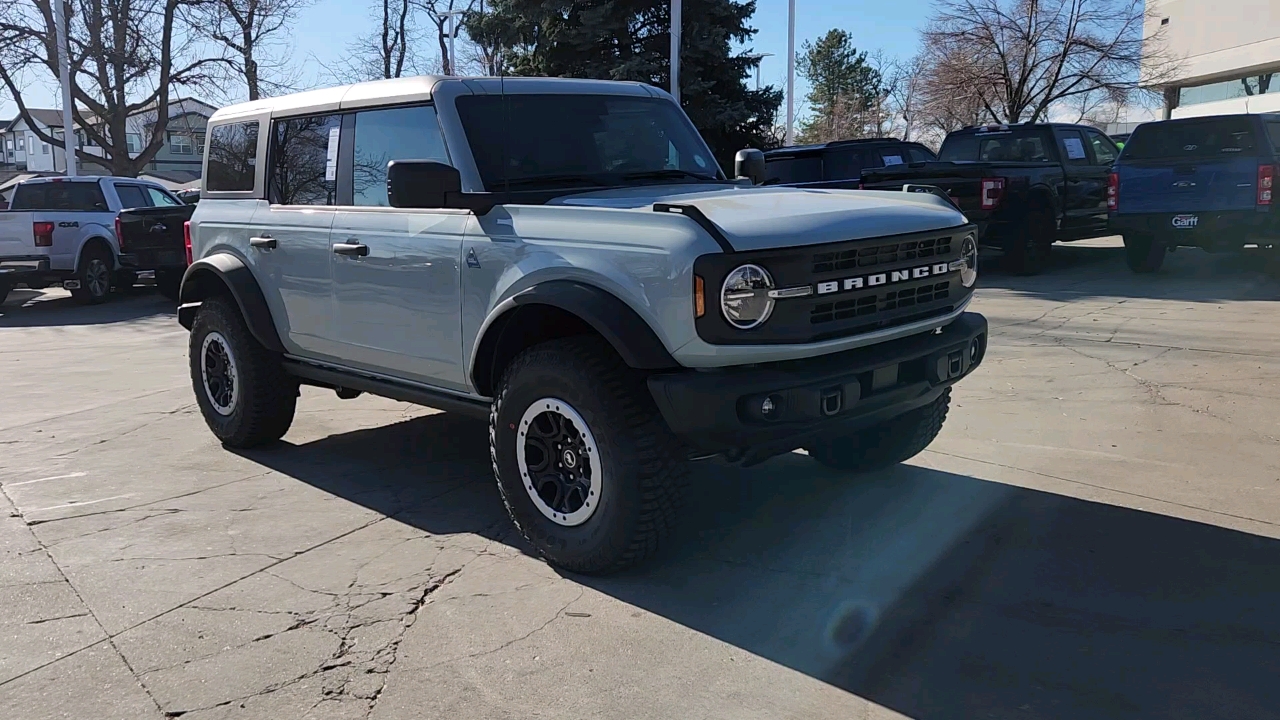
(722,410)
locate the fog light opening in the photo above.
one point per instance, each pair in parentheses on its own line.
(771,407)
(975,350)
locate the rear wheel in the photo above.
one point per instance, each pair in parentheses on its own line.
(1143,253)
(94,276)
(889,443)
(245,395)
(587,468)
(168,282)
(1028,252)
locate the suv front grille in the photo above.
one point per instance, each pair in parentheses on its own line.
(873,303)
(898,252)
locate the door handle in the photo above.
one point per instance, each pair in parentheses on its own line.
(266,242)
(351,249)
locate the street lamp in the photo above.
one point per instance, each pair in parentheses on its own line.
(452,16)
(759,57)
(791,72)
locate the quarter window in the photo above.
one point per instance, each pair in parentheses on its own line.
(233,154)
(304,157)
(408,133)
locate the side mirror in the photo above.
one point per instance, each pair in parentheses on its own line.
(749,163)
(421,183)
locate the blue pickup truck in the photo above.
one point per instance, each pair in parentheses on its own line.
(1203,182)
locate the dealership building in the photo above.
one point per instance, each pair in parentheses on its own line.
(1225,53)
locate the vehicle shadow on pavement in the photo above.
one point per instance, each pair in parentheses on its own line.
(935,594)
(44,308)
(1089,270)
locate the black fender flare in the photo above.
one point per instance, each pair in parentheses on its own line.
(615,321)
(206,277)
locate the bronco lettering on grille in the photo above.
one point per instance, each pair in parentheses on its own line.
(885,278)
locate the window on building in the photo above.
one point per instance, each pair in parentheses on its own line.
(44,148)
(1247,86)
(22,144)
(392,134)
(180,144)
(303,165)
(199,142)
(233,153)
(133,142)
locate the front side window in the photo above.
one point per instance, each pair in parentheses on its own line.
(547,141)
(1073,151)
(304,157)
(131,196)
(160,198)
(408,133)
(233,155)
(1104,153)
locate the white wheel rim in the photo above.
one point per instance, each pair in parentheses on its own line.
(559,461)
(218,373)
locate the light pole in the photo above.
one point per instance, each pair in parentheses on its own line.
(759,57)
(64,78)
(791,72)
(675,49)
(452,15)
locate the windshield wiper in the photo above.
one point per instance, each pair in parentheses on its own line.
(554,180)
(670,173)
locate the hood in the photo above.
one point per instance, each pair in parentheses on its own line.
(758,218)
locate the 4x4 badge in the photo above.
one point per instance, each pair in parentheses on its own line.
(472,260)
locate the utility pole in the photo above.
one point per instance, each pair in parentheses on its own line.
(791,72)
(675,49)
(759,58)
(64,77)
(452,16)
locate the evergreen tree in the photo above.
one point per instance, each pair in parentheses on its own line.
(631,40)
(844,88)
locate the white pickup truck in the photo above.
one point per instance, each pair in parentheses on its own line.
(62,231)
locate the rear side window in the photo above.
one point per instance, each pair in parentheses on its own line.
(845,164)
(77,196)
(131,196)
(1007,146)
(233,154)
(1206,139)
(304,161)
(793,169)
(408,133)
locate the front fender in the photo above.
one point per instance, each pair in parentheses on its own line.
(226,274)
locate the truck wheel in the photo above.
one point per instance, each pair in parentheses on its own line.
(587,469)
(1028,252)
(889,443)
(1143,253)
(169,282)
(94,275)
(4,291)
(245,395)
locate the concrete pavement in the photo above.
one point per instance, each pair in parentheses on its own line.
(1094,535)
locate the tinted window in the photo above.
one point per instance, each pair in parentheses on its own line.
(1104,152)
(807,168)
(83,196)
(160,198)
(1192,139)
(579,140)
(304,161)
(1007,146)
(409,133)
(233,153)
(1273,129)
(131,196)
(844,164)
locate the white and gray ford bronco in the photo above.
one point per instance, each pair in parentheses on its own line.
(567,259)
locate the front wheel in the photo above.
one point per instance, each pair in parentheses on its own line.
(245,395)
(889,443)
(587,469)
(1143,253)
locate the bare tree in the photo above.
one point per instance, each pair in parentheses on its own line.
(388,51)
(441,14)
(905,88)
(254,36)
(126,57)
(1024,57)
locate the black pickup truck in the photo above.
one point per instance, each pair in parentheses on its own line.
(154,238)
(1025,186)
(838,164)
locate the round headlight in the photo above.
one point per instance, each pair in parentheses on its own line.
(969,261)
(744,297)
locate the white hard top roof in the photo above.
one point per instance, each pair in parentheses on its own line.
(420,89)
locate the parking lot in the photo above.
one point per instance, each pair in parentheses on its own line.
(1093,535)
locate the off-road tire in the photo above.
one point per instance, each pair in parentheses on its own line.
(889,443)
(1030,250)
(168,283)
(1143,253)
(90,274)
(644,468)
(267,395)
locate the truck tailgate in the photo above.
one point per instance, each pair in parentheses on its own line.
(16,236)
(1204,186)
(153,228)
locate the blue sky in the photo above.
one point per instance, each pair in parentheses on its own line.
(874,24)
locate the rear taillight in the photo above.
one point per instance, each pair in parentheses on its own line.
(119,235)
(44,233)
(1113,192)
(186,239)
(992,193)
(1266,178)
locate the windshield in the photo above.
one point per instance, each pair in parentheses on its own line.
(552,141)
